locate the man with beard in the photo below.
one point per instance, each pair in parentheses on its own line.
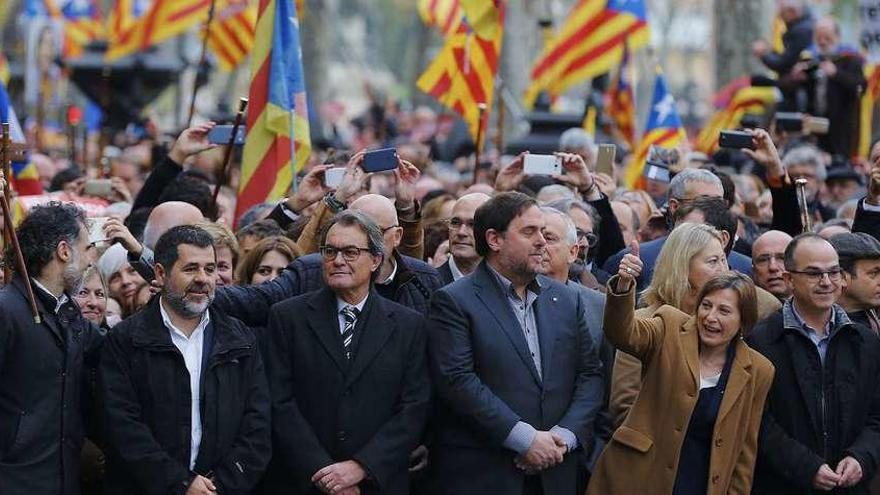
(42,364)
(184,395)
(463,258)
(516,372)
(768,255)
(860,261)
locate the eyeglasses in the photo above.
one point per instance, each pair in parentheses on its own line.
(764,259)
(592,239)
(815,276)
(386,229)
(349,253)
(456,223)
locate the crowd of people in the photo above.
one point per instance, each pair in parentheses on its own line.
(453,327)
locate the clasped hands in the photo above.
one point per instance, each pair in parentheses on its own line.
(547,450)
(341,478)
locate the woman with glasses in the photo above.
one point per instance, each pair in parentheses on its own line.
(694,427)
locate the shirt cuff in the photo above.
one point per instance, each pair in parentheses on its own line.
(287,211)
(520,437)
(568,437)
(869,207)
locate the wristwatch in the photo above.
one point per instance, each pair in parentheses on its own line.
(333,203)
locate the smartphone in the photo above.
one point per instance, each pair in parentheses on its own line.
(100,188)
(542,165)
(790,121)
(817,125)
(380,160)
(220,135)
(96,230)
(605,159)
(736,140)
(333,176)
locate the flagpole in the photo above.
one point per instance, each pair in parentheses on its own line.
(227,157)
(482,109)
(202,60)
(499,128)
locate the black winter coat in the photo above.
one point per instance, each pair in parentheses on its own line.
(42,398)
(145,392)
(796,437)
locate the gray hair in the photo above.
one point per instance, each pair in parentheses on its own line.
(347,218)
(679,183)
(806,154)
(565,206)
(557,191)
(113,259)
(576,138)
(571,235)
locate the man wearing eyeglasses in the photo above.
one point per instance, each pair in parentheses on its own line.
(768,257)
(463,255)
(860,260)
(821,429)
(348,375)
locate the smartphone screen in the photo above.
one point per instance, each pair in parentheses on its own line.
(380,160)
(220,135)
(605,159)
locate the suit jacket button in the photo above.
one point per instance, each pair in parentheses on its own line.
(341,436)
(346,392)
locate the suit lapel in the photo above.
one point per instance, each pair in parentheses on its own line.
(801,364)
(689,343)
(47,318)
(375,330)
(545,306)
(740,375)
(489,292)
(325,325)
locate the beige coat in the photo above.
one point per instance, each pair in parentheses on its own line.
(626,375)
(643,454)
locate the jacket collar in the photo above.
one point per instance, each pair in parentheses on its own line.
(148,330)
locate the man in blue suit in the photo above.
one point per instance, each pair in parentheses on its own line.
(516,372)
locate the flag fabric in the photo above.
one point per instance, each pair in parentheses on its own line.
(444,15)
(278,143)
(776,31)
(462,75)
(163,20)
(590,43)
(866,112)
(122,17)
(733,102)
(620,103)
(231,34)
(663,129)
(4,70)
(25,180)
(83,23)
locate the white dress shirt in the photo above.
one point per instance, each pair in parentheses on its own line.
(59,301)
(340,305)
(191,348)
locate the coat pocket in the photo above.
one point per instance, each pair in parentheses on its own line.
(633,439)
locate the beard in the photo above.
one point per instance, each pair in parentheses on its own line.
(184,307)
(72,276)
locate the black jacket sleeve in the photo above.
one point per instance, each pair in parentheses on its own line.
(797,39)
(159,178)
(251,303)
(866,221)
(610,236)
(786,213)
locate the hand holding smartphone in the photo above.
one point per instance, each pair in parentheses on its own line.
(605,159)
(542,165)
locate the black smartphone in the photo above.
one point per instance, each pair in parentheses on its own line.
(789,121)
(736,140)
(220,135)
(380,160)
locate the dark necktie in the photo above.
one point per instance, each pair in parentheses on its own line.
(350,315)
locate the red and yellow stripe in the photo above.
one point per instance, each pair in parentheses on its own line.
(231,35)
(165,19)
(445,15)
(664,138)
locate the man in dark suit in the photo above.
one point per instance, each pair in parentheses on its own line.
(515,369)
(42,403)
(463,257)
(348,375)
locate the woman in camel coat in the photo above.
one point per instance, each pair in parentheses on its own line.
(694,427)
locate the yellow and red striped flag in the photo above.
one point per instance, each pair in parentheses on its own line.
(4,70)
(590,43)
(81,22)
(445,15)
(664,129)
(463,75)
(164,19)
(866,111)
(620,103)
(122,17)
(278,143)
(231,34)
(733,102)
(777,30)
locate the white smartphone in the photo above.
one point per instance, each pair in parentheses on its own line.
(96,230)
(333,176)
(542,165)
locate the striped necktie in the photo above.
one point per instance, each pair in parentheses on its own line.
(350,315)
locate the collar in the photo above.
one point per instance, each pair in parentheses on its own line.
(166,319)
(340,304)
(792,320)
(58,301)
(390,278)
(456,273)
(534,286)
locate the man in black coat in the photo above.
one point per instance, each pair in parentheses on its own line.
(184,394)
(821,428)
(516,372)
(348,375)
(797,37)
(463,257)
(42,402)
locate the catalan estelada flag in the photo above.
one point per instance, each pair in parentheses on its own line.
(620,103)
(231,34)
(122,17)
(866,111)
(4,70)
(444,15)
(590,43)
(463,75)
(25,180)
(733,102)
(164,19)
(278,143)
(83,23)
(663,129)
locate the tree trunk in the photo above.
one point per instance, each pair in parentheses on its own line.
(736,24)
(522,44)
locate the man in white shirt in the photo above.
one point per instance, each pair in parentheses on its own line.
(463,257)
(184,392)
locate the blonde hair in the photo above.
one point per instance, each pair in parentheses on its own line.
(222,237)
(669,285)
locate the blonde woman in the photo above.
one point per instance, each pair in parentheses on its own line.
(692,255)
(694,427)
(226,247)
